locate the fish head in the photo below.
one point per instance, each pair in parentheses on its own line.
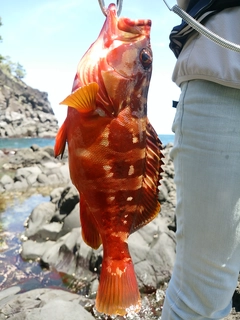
(120,61)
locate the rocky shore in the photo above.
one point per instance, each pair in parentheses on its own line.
(53,237)
(24,111)
(32,167)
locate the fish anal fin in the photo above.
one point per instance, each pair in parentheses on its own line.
(90,233)
(60,141)
(118,291)
(83,99)
(151,180)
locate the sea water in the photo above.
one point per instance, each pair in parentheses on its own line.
(16,143)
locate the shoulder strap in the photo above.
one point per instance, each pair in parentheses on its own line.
(199,10)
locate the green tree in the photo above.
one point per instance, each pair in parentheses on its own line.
(19,71)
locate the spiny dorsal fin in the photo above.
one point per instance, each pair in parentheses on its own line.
(83,99)
(151,180)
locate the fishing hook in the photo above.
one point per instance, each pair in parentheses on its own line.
(104,9)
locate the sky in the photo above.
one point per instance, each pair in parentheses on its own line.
(49,37)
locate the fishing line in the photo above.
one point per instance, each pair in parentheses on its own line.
(104,9)
(203,30)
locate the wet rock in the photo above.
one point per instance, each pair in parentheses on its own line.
(39,217)
(42,304)
(68,200)
(72,220)
(32,250)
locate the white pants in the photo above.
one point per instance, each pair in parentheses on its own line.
(206,156)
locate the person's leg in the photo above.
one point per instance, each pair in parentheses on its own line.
(206,156)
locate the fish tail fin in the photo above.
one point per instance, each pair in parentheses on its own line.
(118,291)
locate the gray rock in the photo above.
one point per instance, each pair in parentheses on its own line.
(42,304)
(35,147)
(6,181)
(32,178)
(27,171)
(24,111)
(20,185)
(40,216)
(49,231)
(64,169)
(32,250)
(8,294)
(69,199)
(56,194)
(72,220)
(43,179)
(53,178)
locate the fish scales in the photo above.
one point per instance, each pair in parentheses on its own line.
(114,152)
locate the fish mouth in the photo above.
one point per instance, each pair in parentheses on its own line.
(124,40)
(123,29)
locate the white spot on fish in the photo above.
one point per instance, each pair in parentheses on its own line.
(131,170)
(105,141)
(107,167)
(110,199)
(129,198)
(135,139)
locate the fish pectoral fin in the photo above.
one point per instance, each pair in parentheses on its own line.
(90,233)
(151,180)
(60,141)
(83,99)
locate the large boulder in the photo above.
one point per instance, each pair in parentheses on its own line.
(42,304)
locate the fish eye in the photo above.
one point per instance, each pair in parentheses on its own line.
(146,58)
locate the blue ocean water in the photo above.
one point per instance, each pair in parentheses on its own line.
(166,138)
(16,143)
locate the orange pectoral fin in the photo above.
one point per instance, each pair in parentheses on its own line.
(90,233)
(83,99)
(60,141)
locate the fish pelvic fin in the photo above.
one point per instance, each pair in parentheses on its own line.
(83,99)
(118,292)
(90,233)
(60,141)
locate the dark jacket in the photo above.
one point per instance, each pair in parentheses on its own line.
(200,10)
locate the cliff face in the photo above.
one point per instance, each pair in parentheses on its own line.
(24,111)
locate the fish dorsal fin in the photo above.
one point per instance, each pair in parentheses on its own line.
(151,180)
(60,141)
(83,99)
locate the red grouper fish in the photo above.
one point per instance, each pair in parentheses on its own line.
(114,152)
